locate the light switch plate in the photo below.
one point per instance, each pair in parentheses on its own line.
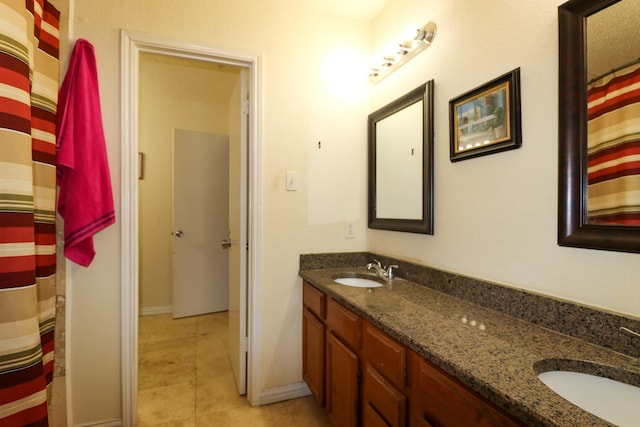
(291,181)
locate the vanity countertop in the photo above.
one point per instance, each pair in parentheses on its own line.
(495,360)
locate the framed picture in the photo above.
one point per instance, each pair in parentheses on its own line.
(486,119)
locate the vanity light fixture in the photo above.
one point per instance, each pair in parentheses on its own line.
(406,50)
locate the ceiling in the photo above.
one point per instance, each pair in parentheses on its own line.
(208,82)
(221,79)
(360,9)
(612,37)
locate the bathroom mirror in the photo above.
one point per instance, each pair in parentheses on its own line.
(401,163)
(587,215)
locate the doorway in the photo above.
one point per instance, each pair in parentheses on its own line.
(187,111)
(133,45)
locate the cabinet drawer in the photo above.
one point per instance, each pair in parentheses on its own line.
(382,399)
(444,401)
(344,323)
(385,354)
(313,299)
(370,418)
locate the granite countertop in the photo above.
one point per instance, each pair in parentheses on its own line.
(496,360)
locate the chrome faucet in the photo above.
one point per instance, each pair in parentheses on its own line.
(385,272)
(390,273)
(631,333)
(377,267)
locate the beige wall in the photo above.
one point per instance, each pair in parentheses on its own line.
(175,93)
(308,95)
(495,216)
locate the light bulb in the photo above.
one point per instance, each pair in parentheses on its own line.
(406,47)
(389,60)
(410,32)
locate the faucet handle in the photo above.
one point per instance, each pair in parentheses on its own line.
(629,332)
(377,262)
(390,273)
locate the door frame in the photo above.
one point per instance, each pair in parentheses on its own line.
(132,44)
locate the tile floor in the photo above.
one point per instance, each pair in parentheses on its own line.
(185,380)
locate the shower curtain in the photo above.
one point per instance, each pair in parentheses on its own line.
(29,76)
(614,148)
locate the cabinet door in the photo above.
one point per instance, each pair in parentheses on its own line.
(342,383)
(313,335)
(381,398)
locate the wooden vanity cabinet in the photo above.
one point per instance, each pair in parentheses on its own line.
(398,387)
(330,366)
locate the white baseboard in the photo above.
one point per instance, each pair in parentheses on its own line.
(161,309)
(279,394)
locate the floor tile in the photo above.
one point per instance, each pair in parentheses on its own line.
(185,379)
(216,394)
(186,422)
(242,416)
(212,365)
(166,404)
(304,411)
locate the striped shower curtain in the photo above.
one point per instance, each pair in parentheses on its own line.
(614,148)
(29,75)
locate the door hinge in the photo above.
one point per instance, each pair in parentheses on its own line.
(245,107)
(244,344)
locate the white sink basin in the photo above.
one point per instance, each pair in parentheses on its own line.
(614,401)
(358,282)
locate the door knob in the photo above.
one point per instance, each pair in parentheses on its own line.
(179,233)
(226,243)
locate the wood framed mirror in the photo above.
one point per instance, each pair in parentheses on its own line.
(401,163)
(584,219)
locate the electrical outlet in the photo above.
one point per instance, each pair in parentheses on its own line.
(349,230)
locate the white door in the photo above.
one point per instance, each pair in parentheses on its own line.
(200,222)
(238,242)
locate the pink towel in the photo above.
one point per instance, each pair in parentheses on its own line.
(85,200)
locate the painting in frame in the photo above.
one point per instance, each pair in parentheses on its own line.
(486,119)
